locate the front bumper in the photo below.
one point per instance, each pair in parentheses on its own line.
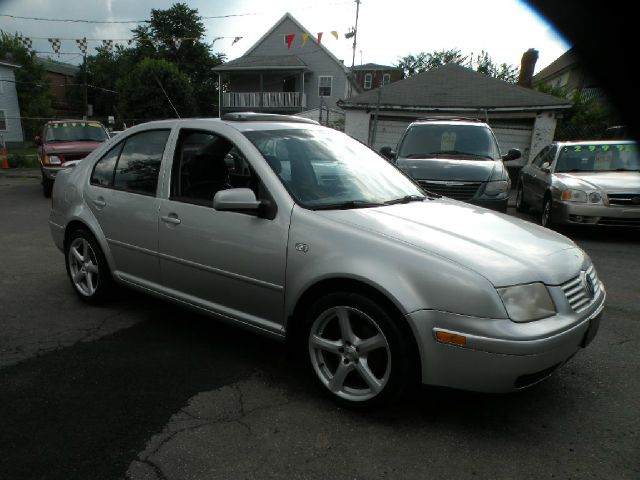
(570,213)
(499,205)
(50,172)
(500,355)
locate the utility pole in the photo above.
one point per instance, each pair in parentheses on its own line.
(355,35)
(86,102)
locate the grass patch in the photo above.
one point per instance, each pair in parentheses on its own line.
(22,156)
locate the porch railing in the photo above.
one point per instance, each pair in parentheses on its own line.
(264,100)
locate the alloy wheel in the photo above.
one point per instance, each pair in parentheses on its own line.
(349,353)
(83,267)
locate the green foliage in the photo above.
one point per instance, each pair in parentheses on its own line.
(192,59)
(144,91)
(32,85)
(586,119)
(423,62)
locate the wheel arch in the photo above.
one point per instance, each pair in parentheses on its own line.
(351,285)
(79,224)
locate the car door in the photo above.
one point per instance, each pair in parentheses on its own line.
(230,263)
(122,194)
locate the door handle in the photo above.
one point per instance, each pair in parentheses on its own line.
(172,218)
(99,202)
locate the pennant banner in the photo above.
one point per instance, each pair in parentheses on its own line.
(319,38)
(335,34)
(290,38)
(27,43)
(305,37)
(82,45)
(236,40)
(55,44)
(108,45)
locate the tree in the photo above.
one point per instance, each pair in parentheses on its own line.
(423,62)
(32,85)
(588,117)
(152,89)
(193,57)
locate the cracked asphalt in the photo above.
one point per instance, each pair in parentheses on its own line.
(140,389)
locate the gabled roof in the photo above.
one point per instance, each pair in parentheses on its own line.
(373,66)
(453,87)
(303,30)
(264,62)
(567,60)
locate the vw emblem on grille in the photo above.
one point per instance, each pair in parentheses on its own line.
(587,284)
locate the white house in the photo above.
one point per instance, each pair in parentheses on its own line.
(286,71)
(10,125)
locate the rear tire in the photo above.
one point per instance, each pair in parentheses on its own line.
(87,268)
(356,350)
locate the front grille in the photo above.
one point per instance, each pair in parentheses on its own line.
(619,222)
(576,291)
(624,198)
(68,157)
(457,190)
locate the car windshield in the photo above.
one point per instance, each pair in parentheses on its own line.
(465,142)
(599,158)
(325,169)
(75,132)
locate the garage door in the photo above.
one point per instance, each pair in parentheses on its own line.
(509,136)
(388,132)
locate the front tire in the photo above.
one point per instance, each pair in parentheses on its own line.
(47,187)
(356,350)
(546,219)
(521,205)
(87,268)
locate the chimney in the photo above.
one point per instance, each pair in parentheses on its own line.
(527,67)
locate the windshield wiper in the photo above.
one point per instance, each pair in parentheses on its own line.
(405,199)
(347,205)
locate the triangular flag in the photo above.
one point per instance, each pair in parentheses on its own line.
(236,40)
(305,37)
(177,42)
(290,38)
(335,34)
(319,38)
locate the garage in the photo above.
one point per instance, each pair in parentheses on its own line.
(521,117)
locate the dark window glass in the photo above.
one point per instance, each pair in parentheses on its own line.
(541,157)
(206,163)
(76,132)
(473,142)
(139,163)
(103,171)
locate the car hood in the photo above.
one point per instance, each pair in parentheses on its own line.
(70,147)
(448,169)
(609,181)
(503,249)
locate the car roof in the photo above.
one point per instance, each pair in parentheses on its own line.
(450,121)
(246,123)
(594,142)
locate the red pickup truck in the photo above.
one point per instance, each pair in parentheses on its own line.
(64,141)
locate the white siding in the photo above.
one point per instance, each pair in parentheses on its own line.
(388,132)
(356,124)
(9,105)
(513,136)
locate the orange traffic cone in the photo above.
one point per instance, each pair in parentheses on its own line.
(5,163)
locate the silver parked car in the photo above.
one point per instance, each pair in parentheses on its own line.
(583,183)
(303,234)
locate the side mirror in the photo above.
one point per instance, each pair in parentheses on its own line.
(545,167)
(512,154)
(38,140)
(388,153)
(241,200)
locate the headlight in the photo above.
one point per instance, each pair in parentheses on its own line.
(527,302)
(496,188)
(53,160)
(581,196)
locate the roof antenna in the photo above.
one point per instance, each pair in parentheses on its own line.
(165,94)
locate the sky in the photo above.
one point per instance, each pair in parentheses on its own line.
(387,30)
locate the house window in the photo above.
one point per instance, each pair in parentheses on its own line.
(368,79)
(324,85)
(386,79)
(3,121)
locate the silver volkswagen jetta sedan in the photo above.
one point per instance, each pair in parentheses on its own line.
(301,233)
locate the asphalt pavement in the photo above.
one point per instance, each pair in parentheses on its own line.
(141,389)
